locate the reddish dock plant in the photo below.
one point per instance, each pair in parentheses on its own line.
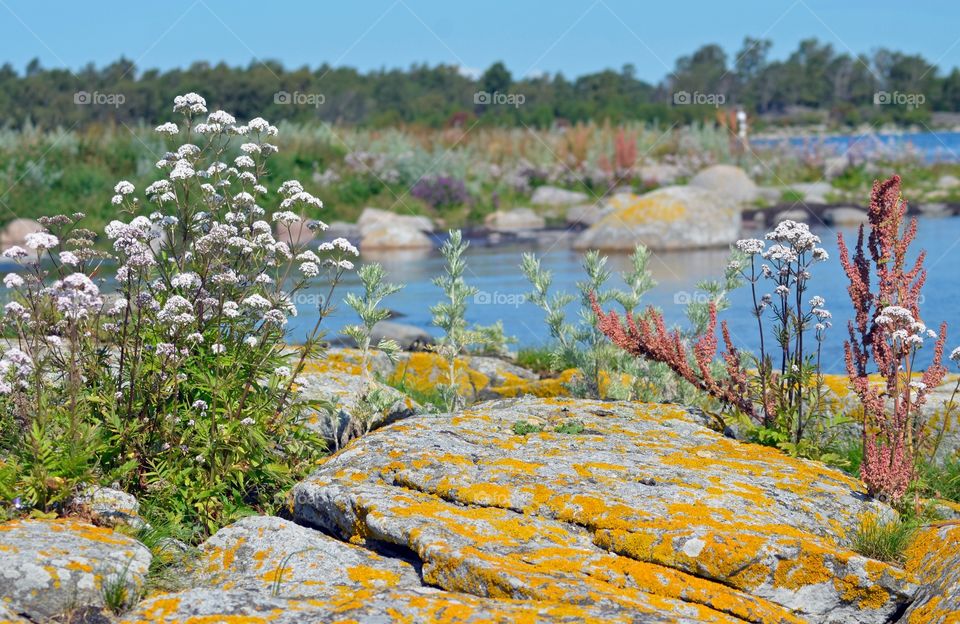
(887,330)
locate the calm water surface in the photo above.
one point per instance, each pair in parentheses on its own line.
(495,272)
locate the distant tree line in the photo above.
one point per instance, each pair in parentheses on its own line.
(815,81)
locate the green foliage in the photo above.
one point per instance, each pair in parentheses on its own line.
(939,480)
(180,386)
(367,307)
(540,360)
(602,368)
(523,427)
(884,539)
(574,427)
(450,315)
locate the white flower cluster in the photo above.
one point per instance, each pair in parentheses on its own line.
(75,296)
(903,328)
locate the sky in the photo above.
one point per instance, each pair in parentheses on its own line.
(531,36)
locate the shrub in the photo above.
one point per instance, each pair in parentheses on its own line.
(179,386)
(440,192)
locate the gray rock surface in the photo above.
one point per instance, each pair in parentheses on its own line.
(394,236)
(553,196)
(586,214)
(338,379)
(728,181)
(52,566)
(935,559)
(845,216)
(670,218)
(514,220)
(644,505)
(271,555)
(214,606)
(374,218)
(109,506)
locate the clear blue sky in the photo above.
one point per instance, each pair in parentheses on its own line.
(530,36)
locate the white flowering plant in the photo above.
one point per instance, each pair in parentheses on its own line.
(788,383)
(178,384)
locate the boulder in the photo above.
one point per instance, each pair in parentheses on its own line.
(845,216)
(934,209)
(728,181)
(342,229)
(934,557)
(15,232)
(339,378)
(409,337)
(586,214)
(477,377)
(670,218)
(261,553)
(637,507)
(794,214)
(53,566)
(813,192)
(110,507)
(514,220)
(298,233)
(394,236)
(375,218)
(553,196)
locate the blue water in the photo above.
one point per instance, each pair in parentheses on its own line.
(495,272)
(941,146)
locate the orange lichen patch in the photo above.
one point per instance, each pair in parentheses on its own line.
(79,566)
(639,210)
(851,590)
(223,557)
(516,466)
(807,568)
(543,388)
(934,558)
(423,371)
(588,469)
(373,578)
(340,361)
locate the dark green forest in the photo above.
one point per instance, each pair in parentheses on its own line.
(816,82)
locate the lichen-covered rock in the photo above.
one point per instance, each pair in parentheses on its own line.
(476,377)
(279,557)
(670,218)
(110,507)
(935,558)
(214,606)
(7,616)
(339,378)
(50,566)
(642,504)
